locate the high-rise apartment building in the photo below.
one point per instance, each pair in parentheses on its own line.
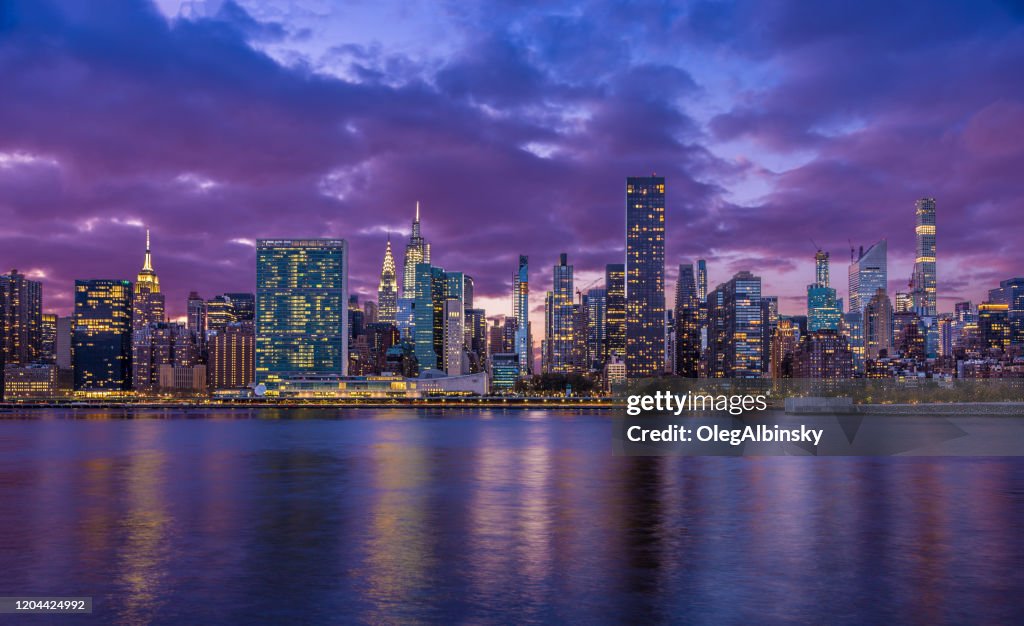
(615,319)
(597,327)
(560,315)
(521,311)
(232,356)
(22,318)
(878,321)
(687,320)
(645,276)
(923,282)
(301,309)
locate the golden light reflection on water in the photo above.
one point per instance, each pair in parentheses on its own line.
(398,553)
(144,550)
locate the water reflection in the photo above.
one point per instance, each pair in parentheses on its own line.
(525,517)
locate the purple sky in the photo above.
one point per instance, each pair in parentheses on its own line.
(775,123)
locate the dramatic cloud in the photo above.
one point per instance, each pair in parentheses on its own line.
(215,124)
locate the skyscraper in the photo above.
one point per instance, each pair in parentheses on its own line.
(597,327)
(387,291)
(428,313)
(687,319)
(148,302)
(301,309)
(416,251)
(196,317)
(822,309)
(923,281)
(102,344)
(454,336)
(232,358)
(1011,293)
(878,326)
(645,276)
(48,339)
(741,326)
(560,332)
(157,345)
(868,273)
(615,285)
(521,311)
(22,318)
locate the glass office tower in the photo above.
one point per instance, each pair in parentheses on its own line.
(301,309)
(102,335)
(645,276)
(868,273)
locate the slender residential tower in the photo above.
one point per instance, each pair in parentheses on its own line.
(645,276)
(521,311)
(387,292)
(923,281)
(416,251)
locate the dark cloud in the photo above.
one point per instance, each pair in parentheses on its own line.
(517,142)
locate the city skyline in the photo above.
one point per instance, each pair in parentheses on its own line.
(746,177)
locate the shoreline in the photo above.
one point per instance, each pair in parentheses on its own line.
(938,409)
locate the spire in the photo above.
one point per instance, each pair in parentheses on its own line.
(147,265)
(416,223)
(147,279)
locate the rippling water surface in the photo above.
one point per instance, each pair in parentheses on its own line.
(487,517)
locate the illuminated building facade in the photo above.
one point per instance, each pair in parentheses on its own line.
(48,338)
(416,251)
(521,311)
(687,320)
(783,346)
(504,372)
(1011,293)
(22,318)
(147,302)
(428,314)
(615,318)
(454,336)
(387,289)
(645,276)
(823,354)
(742,326)
(102,336)
(159,344)
(923,281)
(560,318)
(301,309)
(232,356)
(878,326)
(867,274)
(823,311)
(597,327)
(994,325)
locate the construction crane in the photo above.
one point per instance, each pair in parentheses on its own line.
(586,288)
